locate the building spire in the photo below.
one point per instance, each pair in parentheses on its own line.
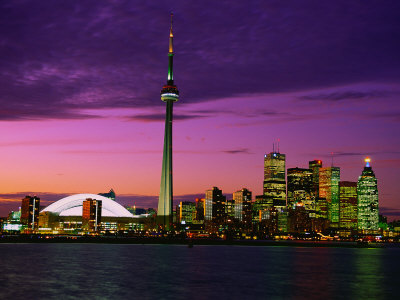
(170,55)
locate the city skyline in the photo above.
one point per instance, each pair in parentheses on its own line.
(80,85)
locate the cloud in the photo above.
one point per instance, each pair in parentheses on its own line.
(237,151)
(344,95)
(57,59)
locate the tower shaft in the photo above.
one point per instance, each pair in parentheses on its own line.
(169,94)
(166,188)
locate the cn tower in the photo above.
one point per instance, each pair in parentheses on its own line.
(169,94)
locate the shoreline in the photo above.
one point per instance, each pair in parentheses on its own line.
(191,242)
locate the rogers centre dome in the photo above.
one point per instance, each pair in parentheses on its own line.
(72,206)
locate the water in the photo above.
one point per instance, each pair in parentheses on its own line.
(109,271)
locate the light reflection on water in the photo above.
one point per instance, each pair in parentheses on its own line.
(107,271)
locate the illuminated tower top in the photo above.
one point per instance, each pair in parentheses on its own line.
(367,161)
(170,91)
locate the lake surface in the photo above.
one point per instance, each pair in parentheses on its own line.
(110,271)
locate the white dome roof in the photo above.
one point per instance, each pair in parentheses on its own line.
(72,206)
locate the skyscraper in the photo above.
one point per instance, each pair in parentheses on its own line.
(314,166)
(348,204)
(169,94)
(367,207)
(274,179)
(242,201)
(91,214)
(299,187)
(30,212)
(214,205)
(329,189)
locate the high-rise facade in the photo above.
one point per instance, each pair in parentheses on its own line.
(242,201)
(274,179)
(30,212)
(169,94)
(367,207)
(91,215)
(329,189)
(348,205)
(214,204)
(187,212)
(300,187)
(314,166)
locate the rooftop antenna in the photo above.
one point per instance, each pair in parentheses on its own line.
(278,145)
(273,147)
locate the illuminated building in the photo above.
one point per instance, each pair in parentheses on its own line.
(230,209)
(110,194)
(30,212)
(91,214)
(214,205)
(329,189)
(348,205)
(298,219)
(367,192)
(314,166)
(299,187)
(242,201)
(187,212)
(274,179)
(200,209)
(261,203)
(65,215)
(169,94)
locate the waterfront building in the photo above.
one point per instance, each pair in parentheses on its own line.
(91,215)
(200,209)
(65,215)
(30,212)
(300,188)
(242,201)
(214,205)
(187,212)
(261,203)
(329,189)
(348,205)
(230,209)
(274,188)
(169,95)
(367,207)
(314,166)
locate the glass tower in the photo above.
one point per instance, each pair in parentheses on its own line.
(348,204)
(274,179)
(329,189)
(367,192)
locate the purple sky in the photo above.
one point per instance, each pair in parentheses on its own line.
(81,111)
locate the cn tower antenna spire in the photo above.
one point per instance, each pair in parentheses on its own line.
(171,55)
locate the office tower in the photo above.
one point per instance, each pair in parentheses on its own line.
(242,201)
(200,209)
(91,215)
(214,205)
(30,212)
(348,205)
(367,192)
(329,189)
(169,94)
(230,209)
(187,212)
(274,179)
(299,187)
(261,203)
(314,166)
(110,194)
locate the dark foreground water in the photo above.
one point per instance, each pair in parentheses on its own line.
(108,271)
